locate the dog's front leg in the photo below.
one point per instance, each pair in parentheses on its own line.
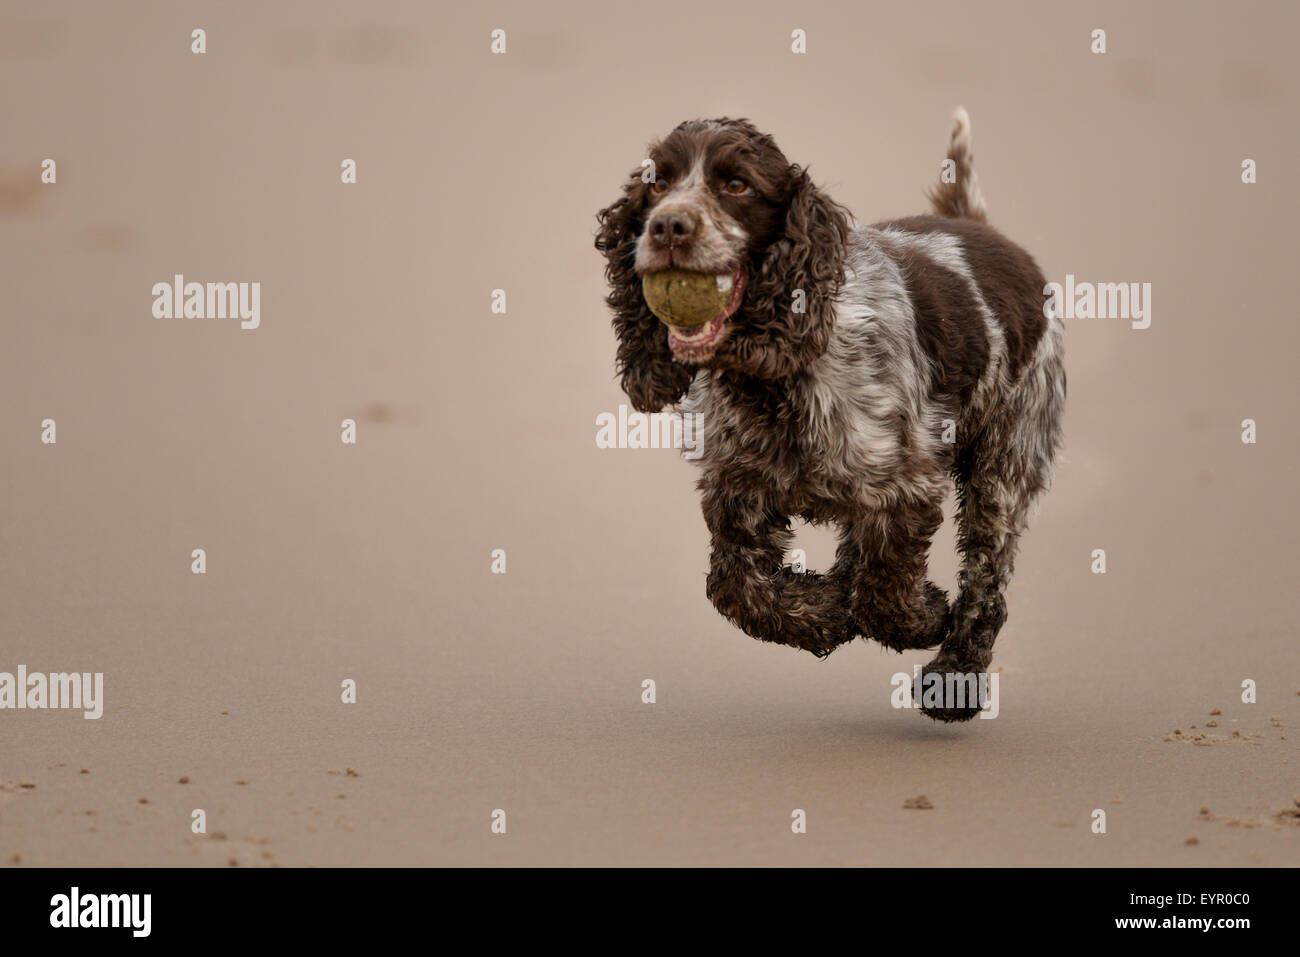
(749,585)
(893,603)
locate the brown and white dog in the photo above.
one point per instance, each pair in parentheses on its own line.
(855,371)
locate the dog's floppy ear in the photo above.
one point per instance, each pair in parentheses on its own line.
(650,377)
(790,305)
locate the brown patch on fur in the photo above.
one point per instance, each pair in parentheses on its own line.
(950,330)
(1008,279)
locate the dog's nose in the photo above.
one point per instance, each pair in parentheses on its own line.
(672,227)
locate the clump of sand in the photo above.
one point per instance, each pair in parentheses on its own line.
(1204,740)
(1285,817)
(1289,815)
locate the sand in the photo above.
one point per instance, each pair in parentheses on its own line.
(499,718)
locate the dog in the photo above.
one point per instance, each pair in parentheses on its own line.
(853,374)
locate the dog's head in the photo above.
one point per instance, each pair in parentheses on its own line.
(719,197)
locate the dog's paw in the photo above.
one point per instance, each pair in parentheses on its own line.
(925,623)
(812,612)
(820,634)
(952,690)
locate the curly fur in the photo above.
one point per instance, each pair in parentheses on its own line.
(922,359)
(650,377)
(809,256)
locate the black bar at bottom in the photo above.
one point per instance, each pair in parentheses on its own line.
(616,908)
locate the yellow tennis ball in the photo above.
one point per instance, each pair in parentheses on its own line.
(683,298)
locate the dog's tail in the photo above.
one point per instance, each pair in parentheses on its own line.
(957,194)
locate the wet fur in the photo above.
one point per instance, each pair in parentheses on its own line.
(838,414)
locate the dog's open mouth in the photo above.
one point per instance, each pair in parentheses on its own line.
(700,343)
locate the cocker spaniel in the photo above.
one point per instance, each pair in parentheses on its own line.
(850,374)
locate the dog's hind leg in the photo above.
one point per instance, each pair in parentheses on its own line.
(990,518)
(998,477)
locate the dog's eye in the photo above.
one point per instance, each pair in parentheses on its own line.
(660,185)
(737,187)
